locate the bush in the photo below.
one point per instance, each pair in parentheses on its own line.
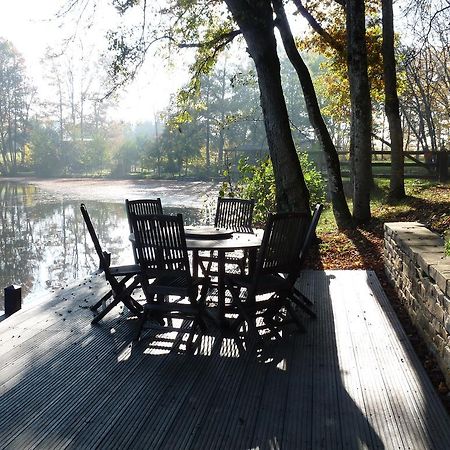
(257,181)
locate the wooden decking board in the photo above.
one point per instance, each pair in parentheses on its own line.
(223,390)
(382,365)
(175,405)
(300,417)
(51,308)
(199,409)
(269,428)
(363,402)
(387,357)
(371,403)
(49,408)
(66,384)
(298,422)
(157,411)
(415,376)
(224,387)
(45,360)
(241,414)
(193,407)
(437,430)
(120,423)
(81,408)
(38,394)
(51,337)
(326,427)
(118,407)
(384,376)
(92,412)
(99,420)
(149,399)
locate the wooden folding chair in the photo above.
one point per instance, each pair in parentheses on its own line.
(142,207)
(116,276)
(300,299)
(265,293)
(235,214)
(162,254)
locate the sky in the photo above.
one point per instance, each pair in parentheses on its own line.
(31,26)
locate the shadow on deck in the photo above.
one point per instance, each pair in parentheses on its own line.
(351,381)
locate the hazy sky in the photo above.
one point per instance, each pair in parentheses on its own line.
(31,26)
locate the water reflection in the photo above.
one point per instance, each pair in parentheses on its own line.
(44,243)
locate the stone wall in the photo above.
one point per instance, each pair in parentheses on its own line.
(416,265)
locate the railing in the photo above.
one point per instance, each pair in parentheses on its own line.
(433,165)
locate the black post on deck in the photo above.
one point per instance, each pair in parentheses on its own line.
(13,299)
(442,165)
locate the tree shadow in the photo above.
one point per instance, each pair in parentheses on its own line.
(80,386)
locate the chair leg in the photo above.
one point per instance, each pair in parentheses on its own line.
(297,299)
(140,326)
(104,311)
(294,316)
(243,313)
(97,305)
(124,296)
(304,298)
(190,345)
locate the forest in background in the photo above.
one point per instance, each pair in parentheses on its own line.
(203,135)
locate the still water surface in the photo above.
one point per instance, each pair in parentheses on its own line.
(43,240)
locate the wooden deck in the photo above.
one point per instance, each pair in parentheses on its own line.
(351,381)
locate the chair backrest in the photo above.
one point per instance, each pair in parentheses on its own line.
(104,257)
(235,214)
(311,232)
(143,207)
(161,243)
(283,238)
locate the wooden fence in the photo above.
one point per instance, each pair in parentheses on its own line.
(432,165)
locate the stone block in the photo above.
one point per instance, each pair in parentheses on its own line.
(438,312)
(429,257)
(447,325)
(446,305)
(439,343)
(444,363)
(440,272)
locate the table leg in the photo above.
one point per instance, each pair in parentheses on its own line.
(221,284)
(194,264)
(252,260)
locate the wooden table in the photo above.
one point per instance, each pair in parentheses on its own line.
(238,241)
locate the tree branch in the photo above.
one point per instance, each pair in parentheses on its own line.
(317,27)
(222,40)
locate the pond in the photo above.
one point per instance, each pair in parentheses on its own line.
(43,241)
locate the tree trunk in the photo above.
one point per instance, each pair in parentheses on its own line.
(361,110)
(256,23)
(208,129)
(391,105)
(222,121)
(336,188)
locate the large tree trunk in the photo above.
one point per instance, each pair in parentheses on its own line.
(391,105)
(361,127)
(256,23)
(340,207)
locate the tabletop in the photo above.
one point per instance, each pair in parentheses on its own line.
(237,241)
